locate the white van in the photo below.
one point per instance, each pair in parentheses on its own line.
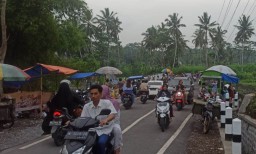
(153,87)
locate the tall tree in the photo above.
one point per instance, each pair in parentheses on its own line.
(174,24)
(245,32)
(105,22)
(206,25)
(218,42)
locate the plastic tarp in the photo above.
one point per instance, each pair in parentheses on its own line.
(136,77)
(42,69)
(83,75)
(229,78)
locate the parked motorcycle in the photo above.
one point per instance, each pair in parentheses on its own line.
(207,115)
(127,101)
(7,116)
(179,99)
(143,97)
(190,96)
(58,124)
(81,137)
(163,112)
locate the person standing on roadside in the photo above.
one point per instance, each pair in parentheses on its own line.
(231,92)
(118,143)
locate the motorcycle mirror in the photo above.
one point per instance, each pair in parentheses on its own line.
(105,112)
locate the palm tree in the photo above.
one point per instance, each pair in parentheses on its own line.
(218,42)
(199,40)
(105,23)
(174,23)
(206,25)
(245,32)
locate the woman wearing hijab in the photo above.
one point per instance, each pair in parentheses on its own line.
(116,129)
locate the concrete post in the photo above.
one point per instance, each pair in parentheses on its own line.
(228,124)
(227,99)
(222,114)
(236,138)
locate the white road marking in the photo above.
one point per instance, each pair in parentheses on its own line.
(124,131)
(135,122)
(169,142)
(27,146)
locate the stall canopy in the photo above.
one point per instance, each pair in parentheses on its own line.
(83,75)
(41,69)
(229,78)
(136,77)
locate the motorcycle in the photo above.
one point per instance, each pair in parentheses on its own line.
(127,101)
(190,96)
(207,115)
(163,112)
(179,99)
(82,136)
(143,97)
(7,116)
(84,95)
(58,124)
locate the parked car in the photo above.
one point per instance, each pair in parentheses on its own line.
(154,86)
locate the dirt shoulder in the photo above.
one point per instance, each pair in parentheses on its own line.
(204,143)
(23,130)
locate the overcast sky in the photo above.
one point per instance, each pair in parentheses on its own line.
(138,15)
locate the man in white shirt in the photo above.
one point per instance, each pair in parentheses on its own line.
(93,108)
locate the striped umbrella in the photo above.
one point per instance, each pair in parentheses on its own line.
(12,73)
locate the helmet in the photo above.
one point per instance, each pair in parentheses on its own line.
(65,81)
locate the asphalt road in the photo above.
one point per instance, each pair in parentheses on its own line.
(141,133)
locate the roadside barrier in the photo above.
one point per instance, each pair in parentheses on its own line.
(236,100)
(236,138)
(222,114)
(227,99)
(228,124)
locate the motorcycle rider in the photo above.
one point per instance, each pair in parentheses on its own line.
(165,93)
(92,109)
(144,87)
(181,87)
(128,89)
(116,128)
(65,97)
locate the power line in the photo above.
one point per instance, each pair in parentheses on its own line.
(227,11)
(252,9)
(246,6)
(221,9)
(237,21)
(251,6)
(233,15)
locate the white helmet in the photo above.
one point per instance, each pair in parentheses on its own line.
(65,81)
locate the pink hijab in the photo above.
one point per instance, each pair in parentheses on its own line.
(106,95)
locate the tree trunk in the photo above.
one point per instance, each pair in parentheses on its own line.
(3,47)
(175,52)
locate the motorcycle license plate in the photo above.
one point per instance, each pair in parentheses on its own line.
(179,101)
(126,99)
(55,123)
(76,135)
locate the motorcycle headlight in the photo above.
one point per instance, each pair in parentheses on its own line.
(179,93)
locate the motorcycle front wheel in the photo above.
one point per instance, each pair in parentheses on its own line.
(162,124)
(58,136)
(207,121)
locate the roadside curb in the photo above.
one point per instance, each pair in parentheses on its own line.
(226,144)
